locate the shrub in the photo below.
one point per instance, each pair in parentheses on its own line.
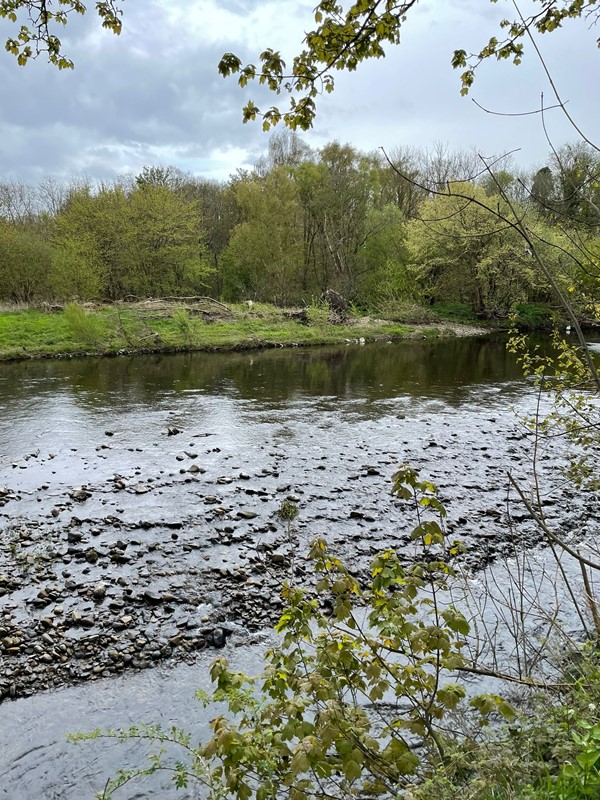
(87,328)
(533,316)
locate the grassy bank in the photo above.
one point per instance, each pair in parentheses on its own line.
(169,326)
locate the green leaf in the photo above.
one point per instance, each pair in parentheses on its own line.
(352,770)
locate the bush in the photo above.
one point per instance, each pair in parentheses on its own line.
(318,314)
(456,312)
(408,312)
(184,326)
(87,328)
(533,316)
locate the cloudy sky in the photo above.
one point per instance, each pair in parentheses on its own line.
(154,96)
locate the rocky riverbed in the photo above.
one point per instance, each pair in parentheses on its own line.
(138,533)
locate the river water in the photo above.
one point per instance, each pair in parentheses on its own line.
(139,517)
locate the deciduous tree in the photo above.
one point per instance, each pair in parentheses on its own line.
(35,26)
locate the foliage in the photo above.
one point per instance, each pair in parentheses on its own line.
(318,313)
(384,275)
(25,259)
(86,328)
(361,675)
(304,222)
(315,224)
(409,312)
(114,243)
(37,21)
(464,255)
(532,316)
(264,258)
(184,325)
(455,312)
(547,17)
(552,754)
(348,34)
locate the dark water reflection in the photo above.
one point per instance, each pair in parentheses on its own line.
(374,371)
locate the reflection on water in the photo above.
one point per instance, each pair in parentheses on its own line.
(68,403)
(421,368)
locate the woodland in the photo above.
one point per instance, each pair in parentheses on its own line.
(381,230)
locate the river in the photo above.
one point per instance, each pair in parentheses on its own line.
(139,516)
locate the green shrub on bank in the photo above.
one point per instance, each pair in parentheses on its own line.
(408,313)
(185,326)
(456,312)
(318,313)
(86,328)
(552,754)
(533,316)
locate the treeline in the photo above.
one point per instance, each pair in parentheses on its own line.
(304,221)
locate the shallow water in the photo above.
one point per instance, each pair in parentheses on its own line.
(325,426)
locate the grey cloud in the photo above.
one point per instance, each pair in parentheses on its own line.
(154,94)
(116,99)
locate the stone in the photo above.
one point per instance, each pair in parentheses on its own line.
(91,555)
(99,591)
(80,493)
(219,637)
(194,469)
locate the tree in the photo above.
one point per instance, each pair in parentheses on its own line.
(347,35)
(146,241)
(578,169)
(89,260)
(543,190)
(503,180)
(398,185)
(264,259)
(169,176)
(385,276)
(25,260)
(335,194)
(286,148)
(18,202)
(464,255)
(220,215)
(38,20)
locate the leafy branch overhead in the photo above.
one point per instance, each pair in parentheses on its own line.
(37,22)
(342,39)
(346,36)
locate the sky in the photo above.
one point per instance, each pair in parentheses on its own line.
(154,96)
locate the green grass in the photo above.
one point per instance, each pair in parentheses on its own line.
(456,312)
(110,329)
(533,316)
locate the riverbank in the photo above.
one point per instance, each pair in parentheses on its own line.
(199,324)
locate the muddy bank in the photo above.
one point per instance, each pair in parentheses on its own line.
(139,498)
